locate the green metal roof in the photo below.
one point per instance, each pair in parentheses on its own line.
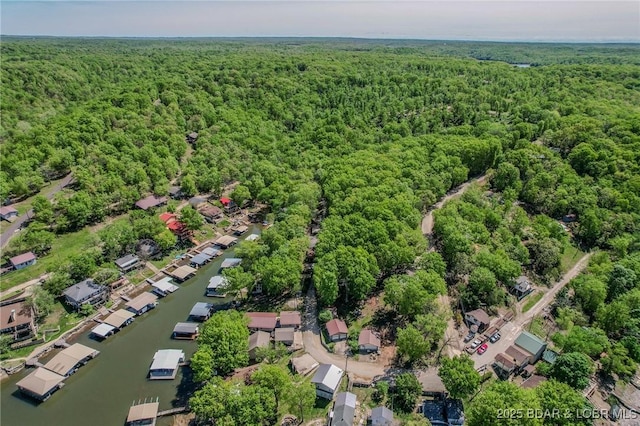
(530,343)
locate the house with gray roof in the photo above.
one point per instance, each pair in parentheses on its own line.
(84,292)
(381,416)
(128,262)
(201,311)
(327,380)
(344,410)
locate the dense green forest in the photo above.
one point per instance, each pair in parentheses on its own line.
(375,133)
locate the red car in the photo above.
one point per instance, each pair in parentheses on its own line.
(482,349)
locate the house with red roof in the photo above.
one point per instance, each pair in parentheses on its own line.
(337,330)
(174,225)
(229,205)
(23,260)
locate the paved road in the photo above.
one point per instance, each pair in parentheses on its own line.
(313,345)
(512,329)
(20,220)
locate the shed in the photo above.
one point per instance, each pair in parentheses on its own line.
(128,262)
(23,260)
(226,241)
(531,344)
(337,330)
(68,360)
(290,319)
(183,273)
(150,202)
(41,384)
(265,321)
(143,414)
(285,335)
(304,364)
(368,341)
(120,318)
(217,285)
(200,259)
(201,311)
(252,237)
(344,409)
(185,330)
(327,380)
(165,364)
(381,416)
(103,330)
(259,339)
(164,287)
(142,303)
(231,262)
(212,252)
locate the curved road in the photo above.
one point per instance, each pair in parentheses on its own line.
(15,226)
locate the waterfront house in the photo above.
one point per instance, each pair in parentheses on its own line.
(142,303)
(381,416)
(327,380)
(199,260)
(164,287)
(290,319)
(262,321)
(344,410)
(225,241)
(532,345)
(210,213)
(143,414)
(165,364)
(259,339)
(185,331)
(17,319)
(41,384)
(217,285)
(230,207)
(120,318)
(201,311)
(150,202)
(68,360)
(337,330)
(23,260)
(102,331)
(127,263)
(304,364)
(8,213)
(368,341)
(479,318)
(230,262)
(85,292)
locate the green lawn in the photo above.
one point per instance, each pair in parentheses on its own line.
(62,248)
(532,299)
(569,258)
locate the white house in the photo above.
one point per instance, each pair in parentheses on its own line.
(327,380)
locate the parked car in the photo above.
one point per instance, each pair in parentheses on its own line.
(495,337)
(475,344)
(482,349)
(468,337)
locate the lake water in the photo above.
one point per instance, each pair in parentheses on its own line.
(101,392)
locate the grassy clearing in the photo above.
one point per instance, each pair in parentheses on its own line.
(531,301)
(62,248)
(25,205)
(570,257)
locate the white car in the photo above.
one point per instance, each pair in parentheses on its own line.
(475,344)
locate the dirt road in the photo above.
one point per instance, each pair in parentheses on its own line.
(511,330)
(24,286)
(427,220)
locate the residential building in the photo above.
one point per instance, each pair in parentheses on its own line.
(344,410)
(23,260)
(17,319)
(531,344)
(479,318)
(127,263)
(290,319)
(368,341)
(211,213)
(304,364)
(85,292)
(522,288)
(262,321)
(381,416)
(259,339)
(337,330)
(150,202)
(286,336)
(327,380)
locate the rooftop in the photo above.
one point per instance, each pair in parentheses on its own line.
(200,259)
(8,318)
(183,272)
(83,289)
(22,258)
(382,414)
(516,354)
(167,359)
(336,326)
(327,375)
(262,320)
(367,337)
(304,364)
(150,201)
(127,260)
(143,412)
(68,358)
(290,319)
(5,210)
(530,343)
(165,285)
(259,339)
(230,262)
(480,315)
(118,318)
(186,327)
(217,281)
(102,330)
(40,381)
(141,301)
(167,216)
(201,309)
(284,334)
(344,409)
(252,237)
(225,240)
(210,251)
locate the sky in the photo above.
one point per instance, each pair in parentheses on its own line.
(505,20)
